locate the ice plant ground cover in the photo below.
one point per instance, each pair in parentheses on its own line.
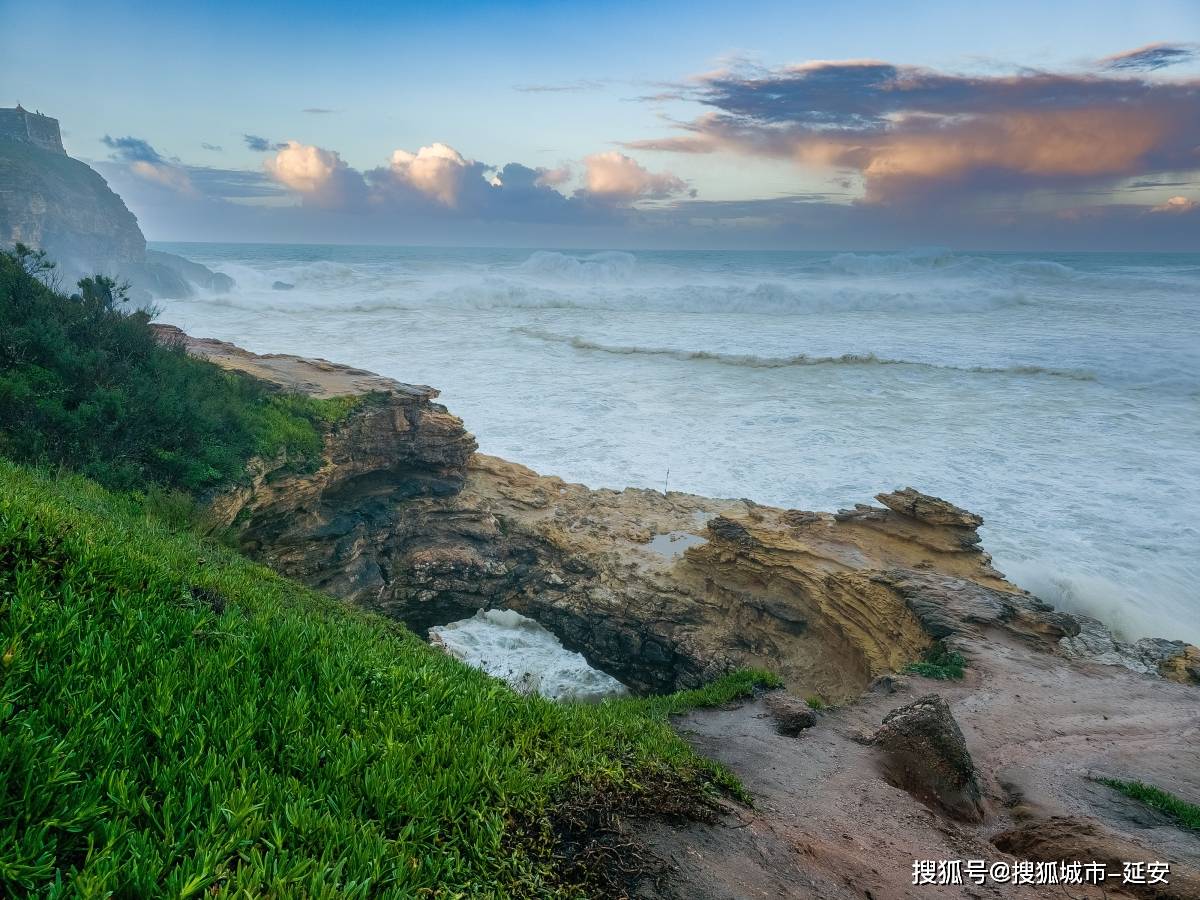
(177,721)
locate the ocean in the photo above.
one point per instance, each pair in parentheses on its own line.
(1055,394)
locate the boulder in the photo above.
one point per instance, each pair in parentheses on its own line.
(791,714)
(923,751)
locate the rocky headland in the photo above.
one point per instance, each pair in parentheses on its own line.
(52,202)
(666,591)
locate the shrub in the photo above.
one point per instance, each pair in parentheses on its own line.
(85,384)
(940,663)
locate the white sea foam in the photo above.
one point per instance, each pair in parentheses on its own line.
(517,649)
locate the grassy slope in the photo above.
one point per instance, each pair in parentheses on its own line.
(177,721)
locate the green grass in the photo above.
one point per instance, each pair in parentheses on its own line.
(88,386)
(815,702)
(176,721)
(1184,814)
(940,663)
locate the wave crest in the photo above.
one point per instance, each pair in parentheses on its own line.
(752,361)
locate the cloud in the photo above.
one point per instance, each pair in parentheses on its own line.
(131,149)
(261,144)
(614,175)
(318,110)
(439,182)
(916,134)
(320,176)
(556,176)
(1151,57)
(168,176)
(1177,205)
(216,148)
(142,160)
(438,171)
(568,87)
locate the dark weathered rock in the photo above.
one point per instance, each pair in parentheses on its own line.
(948,606)
(886,684)
(930,510)
(1173,660)
(791,714)
(923,751)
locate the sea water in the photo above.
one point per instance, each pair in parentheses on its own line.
(1057,395)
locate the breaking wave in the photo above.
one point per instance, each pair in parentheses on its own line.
(752,361)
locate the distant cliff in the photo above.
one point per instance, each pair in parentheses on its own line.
(61,205)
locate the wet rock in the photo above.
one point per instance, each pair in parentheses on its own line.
(791,714)
(1173,660)
(730,530)
(923,751)
(930,510)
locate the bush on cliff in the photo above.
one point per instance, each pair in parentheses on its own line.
(85,384)
(176,721)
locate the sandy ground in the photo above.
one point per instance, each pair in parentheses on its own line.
(826,825)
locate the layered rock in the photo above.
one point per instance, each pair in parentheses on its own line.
(662,591)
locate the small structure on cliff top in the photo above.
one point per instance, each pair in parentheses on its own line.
(19,124)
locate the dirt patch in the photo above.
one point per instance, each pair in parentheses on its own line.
(594,838)
(827,824)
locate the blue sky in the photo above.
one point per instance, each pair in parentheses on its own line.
(551,85)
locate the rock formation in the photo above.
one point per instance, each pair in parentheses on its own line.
(791,714)
(662,591)
(52,202)
(924,752)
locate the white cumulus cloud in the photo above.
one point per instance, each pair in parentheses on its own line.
(436,171)
(303,167)
(620,177)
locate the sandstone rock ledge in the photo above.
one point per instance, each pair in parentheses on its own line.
(662,591)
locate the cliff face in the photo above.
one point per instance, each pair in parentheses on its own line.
(52,202)
(662,591)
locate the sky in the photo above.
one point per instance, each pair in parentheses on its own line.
(780,125)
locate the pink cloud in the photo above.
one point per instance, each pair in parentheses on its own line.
(614,175)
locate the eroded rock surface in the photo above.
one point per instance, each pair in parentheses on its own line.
(662,591)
